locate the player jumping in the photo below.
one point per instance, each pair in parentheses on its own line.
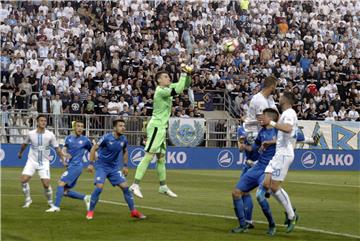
(265,145)
(156,129)
(75,147)
(40,141)
(109,147)
(263,100)
(250,158)
(278,167)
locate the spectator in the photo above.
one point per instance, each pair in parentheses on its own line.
(43,104)
(331,114)
(75,106)
(342,114)
(353,113)
(113,51)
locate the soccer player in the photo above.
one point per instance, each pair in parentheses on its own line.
(250,158)
(263,100)
(40,141)
(75,147)
(278,167)
(110,147)
(265,145)
(156,128)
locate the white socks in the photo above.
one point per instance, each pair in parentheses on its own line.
(283,198)
(26,191)
(49,195)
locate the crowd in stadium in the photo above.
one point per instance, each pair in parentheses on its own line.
(100,57)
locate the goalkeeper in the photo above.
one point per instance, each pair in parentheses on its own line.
(156,128)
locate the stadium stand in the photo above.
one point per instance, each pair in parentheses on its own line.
(86,57)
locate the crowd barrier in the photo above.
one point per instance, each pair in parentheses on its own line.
(211,158)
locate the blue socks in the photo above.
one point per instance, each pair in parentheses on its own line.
(75,195)
(239,210)
(96,194)
(260,196)
(128,198)
(95,198)
(59,195)
(248,207)
(72,194)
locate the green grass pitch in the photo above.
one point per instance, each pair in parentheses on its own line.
(203,210)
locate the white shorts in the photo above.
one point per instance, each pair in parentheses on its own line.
(279,166)
(31,167)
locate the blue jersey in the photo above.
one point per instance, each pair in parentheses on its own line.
(255,175)
(110,150)
(266,155)
(249,155)
(76,147)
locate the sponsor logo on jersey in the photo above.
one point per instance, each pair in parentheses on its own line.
(308,159)
(225,158)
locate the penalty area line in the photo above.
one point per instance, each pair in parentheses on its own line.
(314,230)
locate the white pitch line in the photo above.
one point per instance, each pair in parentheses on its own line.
(20,195)
(229,217)
(325,184)
(299,182)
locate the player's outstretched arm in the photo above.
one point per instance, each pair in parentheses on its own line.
(61,155)
(66,156)
(93,150)
(244,147)
(125,169)
(180,86)
(285,127)
(22,149)
(184,80)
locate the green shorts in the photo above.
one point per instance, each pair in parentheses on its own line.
(156,140)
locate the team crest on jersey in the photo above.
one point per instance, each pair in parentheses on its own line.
(110,142)
(81,142)
(122,144)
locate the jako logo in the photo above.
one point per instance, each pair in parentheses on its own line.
(308,159)
(52,156)
(136,156)
(225,158)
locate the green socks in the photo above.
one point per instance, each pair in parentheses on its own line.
(161,170)
(142,167)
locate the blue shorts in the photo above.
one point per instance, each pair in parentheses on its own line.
(70,176)
(246,167)
(113,175)
(251,179)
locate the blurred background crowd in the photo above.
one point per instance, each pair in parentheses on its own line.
(85,57)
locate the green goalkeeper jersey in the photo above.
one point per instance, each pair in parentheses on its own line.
(163,101)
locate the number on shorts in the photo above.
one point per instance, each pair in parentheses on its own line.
(121,174)
(276,172)
(64,174)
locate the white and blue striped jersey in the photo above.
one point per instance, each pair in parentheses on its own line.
(40,146)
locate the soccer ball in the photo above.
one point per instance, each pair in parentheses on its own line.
(230,45)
